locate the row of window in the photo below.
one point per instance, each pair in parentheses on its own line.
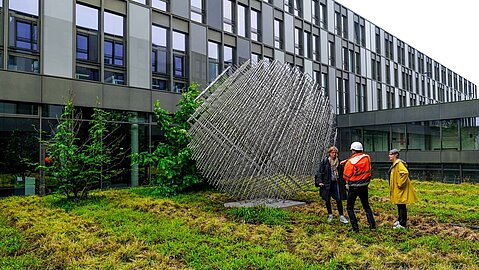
(307,45)
(453,134)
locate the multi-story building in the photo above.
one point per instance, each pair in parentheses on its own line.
(126,54)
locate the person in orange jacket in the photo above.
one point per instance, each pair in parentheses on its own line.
(357,173)
(401,191)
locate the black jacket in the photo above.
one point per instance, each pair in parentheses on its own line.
(324,176)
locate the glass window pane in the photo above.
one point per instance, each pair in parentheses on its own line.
(450,135)
(23,35)
(179,87)
(86,17)
(179,41)
(25,6)
(470,133)
(141,1)
(114,77)
(228,55)
(118,54)
(398,139)
(85,73)
(159,4)
(82,47)
(241,21)
(113,24)
(376,138)
(162,62)
(159,36)
(22,64)
(108,52)
(178,62)
(213,51)
(159,84)
(153,61)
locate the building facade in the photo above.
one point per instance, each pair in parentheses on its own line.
(126,54)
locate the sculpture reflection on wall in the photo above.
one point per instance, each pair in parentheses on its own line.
(261,131)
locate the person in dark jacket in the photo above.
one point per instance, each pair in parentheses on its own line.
(331,183)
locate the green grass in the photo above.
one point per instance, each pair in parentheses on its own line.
(140,229)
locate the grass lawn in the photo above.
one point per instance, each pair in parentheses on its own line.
(136,229)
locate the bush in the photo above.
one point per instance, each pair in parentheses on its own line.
(172,166)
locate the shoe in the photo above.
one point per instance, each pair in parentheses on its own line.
(399,226)
(343,219)
(330,218)
(396,223)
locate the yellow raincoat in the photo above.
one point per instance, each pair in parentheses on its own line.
(400,187)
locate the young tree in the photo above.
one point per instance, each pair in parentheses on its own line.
(172,166)
(80,164)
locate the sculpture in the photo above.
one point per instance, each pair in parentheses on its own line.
(261,131)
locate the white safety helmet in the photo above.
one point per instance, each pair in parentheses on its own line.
(356,146)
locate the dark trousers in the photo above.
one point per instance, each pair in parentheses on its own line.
(334,192)
(402,214)
(362,193)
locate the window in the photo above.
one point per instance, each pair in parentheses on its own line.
(278,34)
(141,1)
(306,44)
(390,99)
(315,12)
(331,53)
(342,90)
(87,43)
(411,58)
(228,20)
(160,4)
(315,47)
(242,21)
(341,21)
(357,62)
(388,72)
(388,46)
(255,58)
(401,52)
(288,6)
(324,83)
(378,40)
(323,14)
(345,58)
(213,60)
(159,58)
(361,97)
(197,10)
(298,40)
(402,98)
(179,61)
(228,58)
(379,95)
(23,42)
(255,25)
(297,8)
(357,38)
(179,66)
(114,49)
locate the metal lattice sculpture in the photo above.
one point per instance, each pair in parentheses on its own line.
(261,132)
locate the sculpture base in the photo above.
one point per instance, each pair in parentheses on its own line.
(271,203)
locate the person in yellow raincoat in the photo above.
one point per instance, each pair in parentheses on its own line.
(401,191)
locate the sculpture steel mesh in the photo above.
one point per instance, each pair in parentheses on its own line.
(261,132)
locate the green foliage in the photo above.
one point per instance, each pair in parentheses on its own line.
(173,168)
(80,164)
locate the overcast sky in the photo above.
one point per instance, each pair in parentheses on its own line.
(446,31)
